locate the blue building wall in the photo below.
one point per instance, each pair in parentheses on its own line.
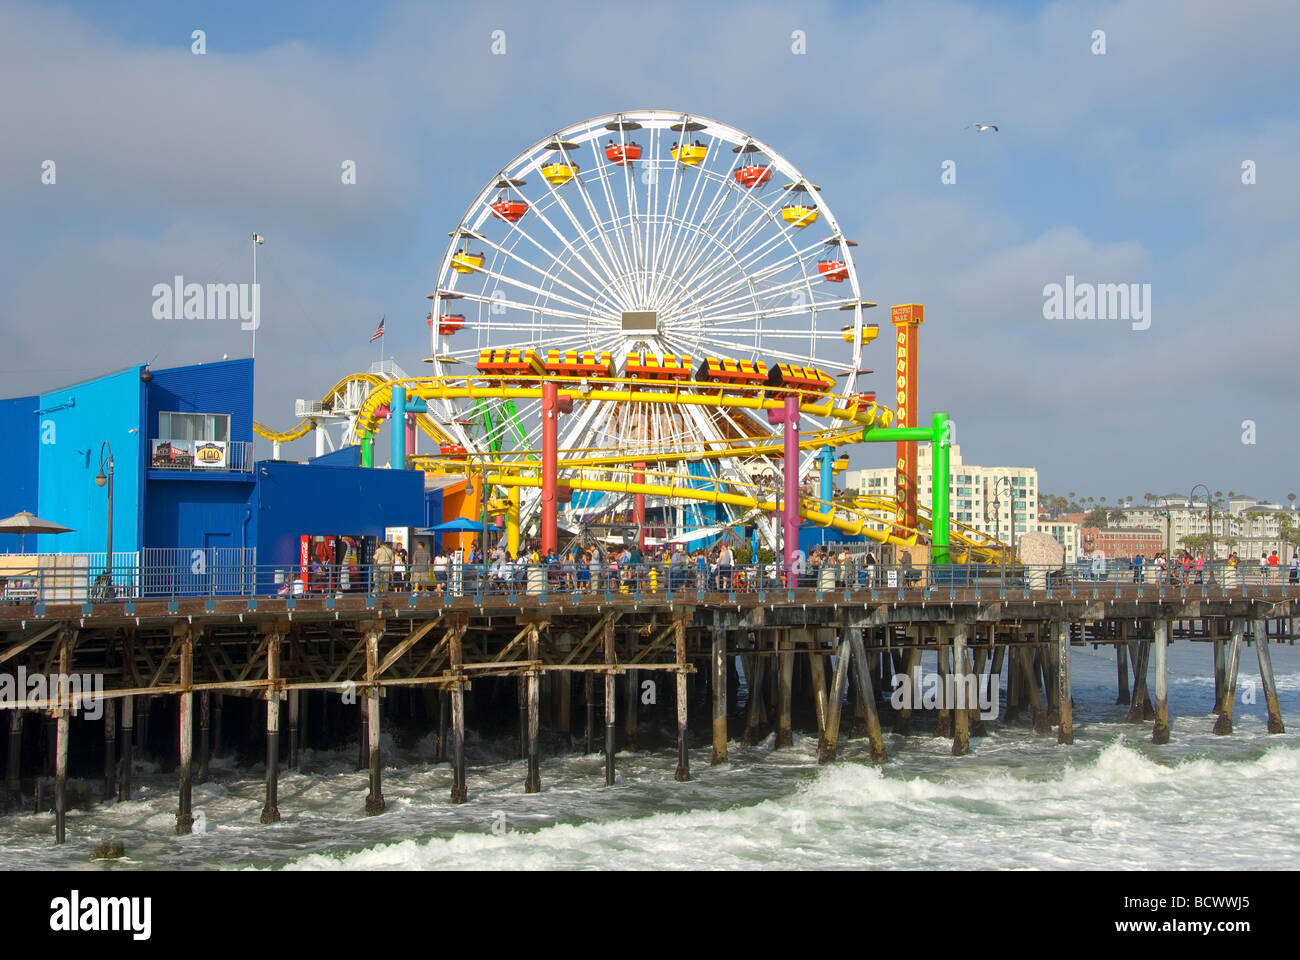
(222,387)
(20,491)
(295,499)
(79,419)
(188,510)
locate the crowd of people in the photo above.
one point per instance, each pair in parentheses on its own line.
(1186,568)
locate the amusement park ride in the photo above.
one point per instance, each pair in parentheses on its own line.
(634,325)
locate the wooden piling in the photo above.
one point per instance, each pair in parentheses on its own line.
(817,681)
(1121,673)
(521,705)
(589,701)
(943,726)
(981,687)
(785,665)
(459,788)
(719,698)
(1138,705)
(1049,652)
(1275,724)
(866,695)
(363,740)
(562,697)
(293,729)
(110,749)
(374,755)
(683,772)
(127,762)
(205,734)
(1030,674)
(218,708)
(444,723)
(271,809)
(533,780)
(962,691)
(61,742)
(13,762)
(631,714)
(1161,732)
(1225,667)
(829,743)
(755,668)
(903,717)
(184,814)
(1014,699)
(1064,688)
(608,642)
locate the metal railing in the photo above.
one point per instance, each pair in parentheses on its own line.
(176,575)
(237,457)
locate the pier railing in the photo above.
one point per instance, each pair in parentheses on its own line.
(172,575)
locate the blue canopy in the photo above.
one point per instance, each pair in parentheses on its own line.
(459,525)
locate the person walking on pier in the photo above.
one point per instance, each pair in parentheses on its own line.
(1263,567)
(726,560)
(381,564)
(1273,561)
(1138,575)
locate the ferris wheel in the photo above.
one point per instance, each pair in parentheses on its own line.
(650,240)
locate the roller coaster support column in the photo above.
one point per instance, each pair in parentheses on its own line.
(789,419)
(638,476)
(367,449)
(827,460)
(401,426)
(939,494)
(512,523)
(550,464)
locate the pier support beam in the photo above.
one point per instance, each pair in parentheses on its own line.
(110,749)
(61,741)
(1225,675)
(533,781)
(785,665)
(128,720)
(755,669)
(1138,709)
(589,701)
(608,641)
(375,758)
(943,724)
(912,668)
(1275,724)
(981,691)
(683,772)
(1121,673)
(459,791)
(1161,732)
(218,708)
(817,680)
(205,734)
(866,695)
(963,689)
(631,716)
(271,809)
(829,744)
(1064,691)
(719,698)
(562,703)
(1029,674)
(13,762)
(1013,684)
(184,809)
(293,729)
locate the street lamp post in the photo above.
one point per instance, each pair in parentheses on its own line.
(997,509)
(102,479)
(1209,512)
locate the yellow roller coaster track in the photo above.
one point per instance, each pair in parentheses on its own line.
(872,517)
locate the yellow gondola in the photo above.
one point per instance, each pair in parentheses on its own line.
(798,215)
(464,262)
(691,154)
(559,173)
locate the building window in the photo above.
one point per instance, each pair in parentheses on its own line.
(193,426)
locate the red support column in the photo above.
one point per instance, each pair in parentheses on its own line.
(550,463)
(789,418)
(638,476)
(905,318)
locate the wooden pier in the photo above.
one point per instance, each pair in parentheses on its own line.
(327,667)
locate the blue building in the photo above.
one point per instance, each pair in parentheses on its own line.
(185,478)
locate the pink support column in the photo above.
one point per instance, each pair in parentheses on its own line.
(550,464)
(789,419)
(410,434)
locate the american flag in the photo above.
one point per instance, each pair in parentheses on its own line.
(379,331)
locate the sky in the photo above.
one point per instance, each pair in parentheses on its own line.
(1117,167)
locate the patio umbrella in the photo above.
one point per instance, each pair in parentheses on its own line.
(460,524)
(25,522)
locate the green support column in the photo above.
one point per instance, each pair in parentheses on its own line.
(367,449)
(939,495)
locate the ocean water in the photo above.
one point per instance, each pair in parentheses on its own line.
(1112,800)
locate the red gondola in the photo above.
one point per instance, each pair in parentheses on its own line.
(622,153)
(753,175)
(509,210)
(835,271)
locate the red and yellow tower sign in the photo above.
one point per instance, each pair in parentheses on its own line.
(906,318)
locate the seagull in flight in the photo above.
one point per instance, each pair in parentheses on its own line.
(981,127)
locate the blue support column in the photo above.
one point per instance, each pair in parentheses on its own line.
(827,458)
